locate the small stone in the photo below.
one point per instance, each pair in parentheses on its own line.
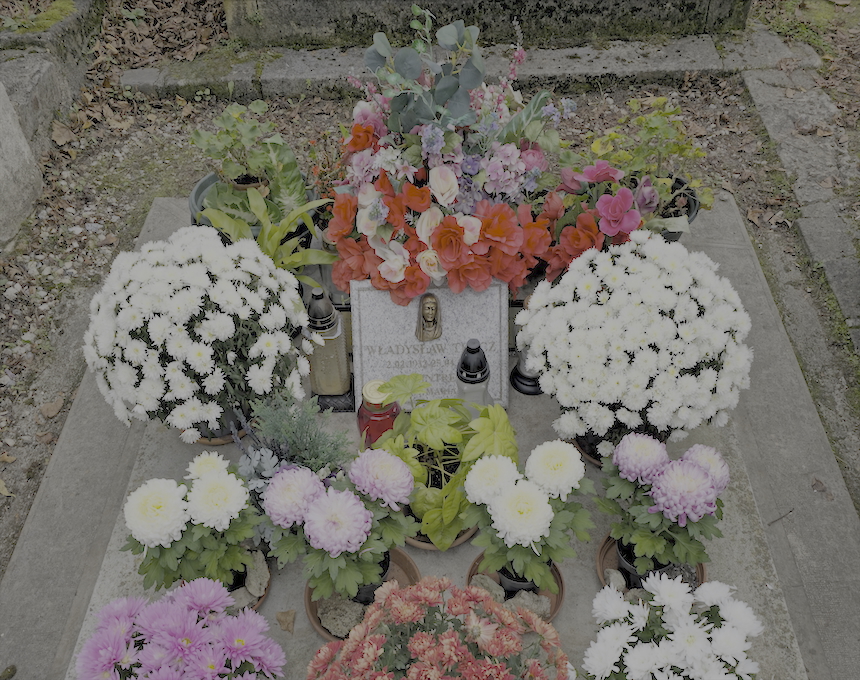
(488,584)
(339,615)
(614,578)
(93,226)
(258,574)
(242,599)
(287,620)
(45,437)
(634,595)
(52,408)
(539,604)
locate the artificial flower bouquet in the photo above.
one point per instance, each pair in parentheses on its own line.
(186,634)
(440,440)
(666,508)
(187,533)
(644,337)
(527,521)
(342,525)
(435,630)
(188,330)
(675,633)
(441,170)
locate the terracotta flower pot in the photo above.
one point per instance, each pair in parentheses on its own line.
(555,599)
(423,543)
(402,569)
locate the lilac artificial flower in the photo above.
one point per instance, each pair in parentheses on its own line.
(203,595)
(382,476)
(711,460)
(289,493)
(646,197)
(568,108)
(640,457)
(471,165)
(432,141)
(166,673)
(551,112)
(683,491)
(337,522)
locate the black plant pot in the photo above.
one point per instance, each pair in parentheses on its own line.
(366,592)
(625,565)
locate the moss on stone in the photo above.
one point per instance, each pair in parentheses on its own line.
(58,10)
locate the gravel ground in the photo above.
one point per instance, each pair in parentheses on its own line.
(118,151)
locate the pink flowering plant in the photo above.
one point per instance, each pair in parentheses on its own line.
(186,634)
(527,520)
(435,630)
(665,508)
(443,173)
(194,530)
(343,525)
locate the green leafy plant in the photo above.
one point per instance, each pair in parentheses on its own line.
(439,440)
(282,241)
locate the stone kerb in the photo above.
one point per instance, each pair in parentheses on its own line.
(548,23)
(20,178)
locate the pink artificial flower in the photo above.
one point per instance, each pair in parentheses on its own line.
(569,183)
(646,196)
(601,171)
(532,155)
(617,213)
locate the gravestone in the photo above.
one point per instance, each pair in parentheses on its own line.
(384,342)
(20,178)
(545,23)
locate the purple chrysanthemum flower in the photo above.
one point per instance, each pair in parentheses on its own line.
(207,663)
(101,654)
(683,491)
(710,459)
(166,673)
(382,476)
(640,457)
(242,636)
(289,493)
(337,522)
(270,659)
(153,657)
(153,617)
(125,608)
(182,634)
(203,595)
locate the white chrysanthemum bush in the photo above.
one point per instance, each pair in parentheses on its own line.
(189,329)
(527,520)
(675,632)
(643,337)
(195,530)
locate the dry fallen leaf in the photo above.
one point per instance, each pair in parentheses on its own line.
(52,408)
(6,458)
(44,437)
(108,240)
(286,620)
(4,491)
(61,134)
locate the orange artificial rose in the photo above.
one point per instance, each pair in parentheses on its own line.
(448,242)
(475,273)
(343,217)
(499,228)
(362,137)
(417,199)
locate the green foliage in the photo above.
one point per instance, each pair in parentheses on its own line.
(440,440)
(201,551)
(654,537)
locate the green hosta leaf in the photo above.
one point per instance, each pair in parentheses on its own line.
(494,436)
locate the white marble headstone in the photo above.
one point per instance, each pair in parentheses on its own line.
(384,342)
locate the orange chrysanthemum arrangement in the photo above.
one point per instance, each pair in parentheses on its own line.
(432,629)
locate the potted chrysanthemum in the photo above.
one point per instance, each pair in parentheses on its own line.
(527,521)
(188,330)
(644,337)
(435,630)
(194,530)
(665,508)
(188,629)
(346,527)
(675,632)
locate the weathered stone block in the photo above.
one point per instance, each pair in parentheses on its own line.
(20,178)
(545,23)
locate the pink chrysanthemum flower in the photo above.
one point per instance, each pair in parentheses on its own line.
(640,457)
(337,522)
(289,493)
(710,459)
(382,476)
(203,595)
(683,491)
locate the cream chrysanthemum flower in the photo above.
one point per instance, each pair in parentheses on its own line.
(206,463)
(156,513)
(521,514)
(216,499)
(488,477)
(556,467)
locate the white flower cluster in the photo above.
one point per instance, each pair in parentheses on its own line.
(189,327)
(689,640)
(158,511)
(644,333)
(520,507)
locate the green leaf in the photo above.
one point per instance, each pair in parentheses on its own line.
(235,229)
(432,425)
(402,388)
(373,60)
(452,505)
(471,75)
(381,44)
(447,37)
(494,436)
(425,499)
(407,63)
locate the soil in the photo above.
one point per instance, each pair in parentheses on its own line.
(117,150)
